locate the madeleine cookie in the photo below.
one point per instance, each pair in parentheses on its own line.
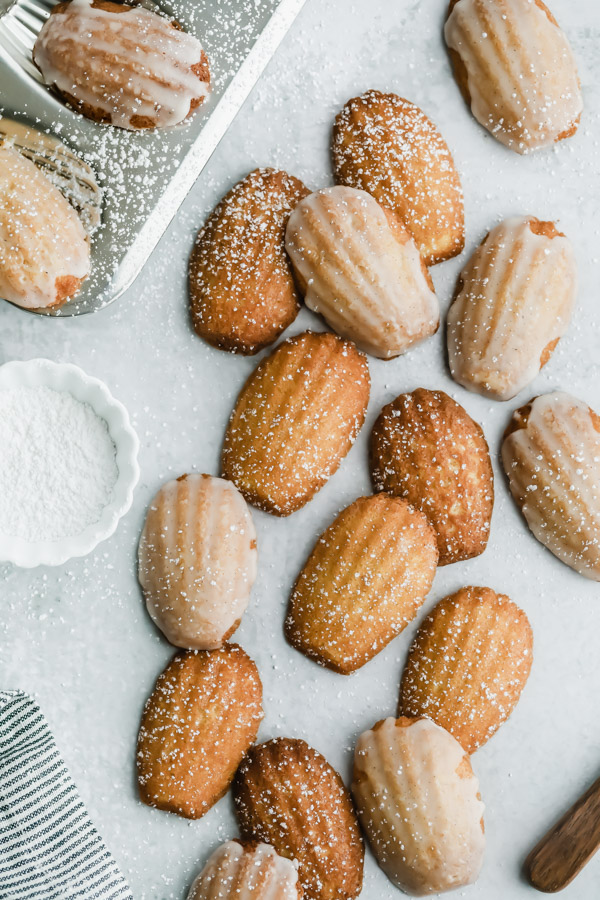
(419,805)
(469,662)
(364,581)
(359,268)
(516,70)
(242,291)
(387,146)
(197,724)
(551,455)
(514,303)
(287,795)
(122,65)
(427,449)
(44,250)
(197,560)
(294,421)
(246,871)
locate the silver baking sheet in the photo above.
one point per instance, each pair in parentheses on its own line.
(144,176)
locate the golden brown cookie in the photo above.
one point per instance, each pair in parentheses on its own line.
(248,870)
(551,455)
(419,805)
(287,795)
(197,724)
(137,71)
(426,448)
(387,146)
(242,292)
(294,421)
(468,665)
(364,581)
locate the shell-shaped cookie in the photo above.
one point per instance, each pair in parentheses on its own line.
(197,724)
(387,146)
(242,291)
(364,581)
(468,665)
(360,269)
(514,303)
(551,455)
(246,871)
(197,560)
(287,795)
(426,448)
(294,421)
(419,805)
(516,70)
(120,64)
(44,250)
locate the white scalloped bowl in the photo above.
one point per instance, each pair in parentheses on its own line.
(67,378)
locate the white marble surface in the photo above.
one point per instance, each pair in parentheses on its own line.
(79,638)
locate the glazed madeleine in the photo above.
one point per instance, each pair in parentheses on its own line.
(468,665)
(197,560)
(516,70)
(514,303)
(246,871)
(364,581)
(387,146)
(123,65)
(551,455)
(419,805)
(44,250)
(360,269)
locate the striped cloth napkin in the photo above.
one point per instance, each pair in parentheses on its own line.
(49,848)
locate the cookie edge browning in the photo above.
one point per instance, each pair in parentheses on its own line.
(462,79)
(252,671)
(472,594)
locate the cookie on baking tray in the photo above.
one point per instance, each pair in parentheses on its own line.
(295,419)
(419,805)
(426,448)
(468,665)
(242,292)
(551,455)
(359,268)
(239,870)
(515,69)
(364,581)
(197,724)
(122,65)
(387,146)
(287,795)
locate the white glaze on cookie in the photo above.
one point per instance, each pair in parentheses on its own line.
(246,872)
(521,73)
(514,304)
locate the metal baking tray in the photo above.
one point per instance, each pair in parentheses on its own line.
(144,176)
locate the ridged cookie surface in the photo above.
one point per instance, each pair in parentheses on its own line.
(364,581)
(288,795)
(426,448)
(551,455)
(468,665)
(514,303)
(419,805)
(242,291)
(360,269)
(197,724)
(246,871)
(387,146)
(294,421)
(197,560)
(44,250)
(516,70)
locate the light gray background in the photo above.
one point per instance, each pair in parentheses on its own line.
(79,639)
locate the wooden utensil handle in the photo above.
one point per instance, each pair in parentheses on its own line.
(568,846)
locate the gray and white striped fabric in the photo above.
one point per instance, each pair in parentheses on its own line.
(49,848)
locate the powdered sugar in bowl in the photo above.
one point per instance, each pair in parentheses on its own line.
(68,462)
